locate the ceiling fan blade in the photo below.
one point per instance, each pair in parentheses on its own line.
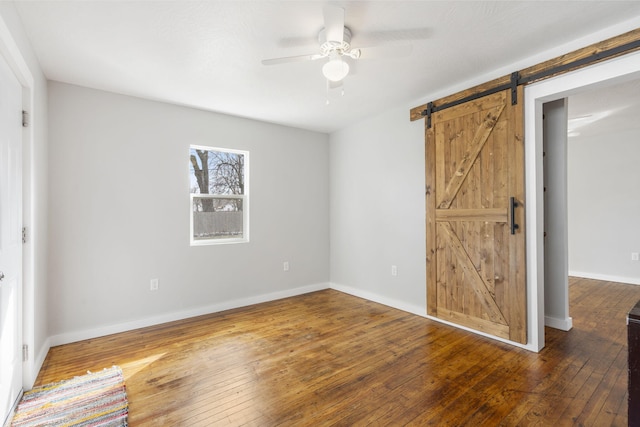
(287,59)
(384,52)
(334,23)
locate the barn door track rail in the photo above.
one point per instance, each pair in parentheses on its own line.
(611,48)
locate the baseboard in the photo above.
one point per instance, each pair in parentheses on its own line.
(420,311)
(75,336)
(606,277)
(389,302)
(29,377)
(562,324)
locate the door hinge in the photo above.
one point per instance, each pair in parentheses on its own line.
(24,234)
(25,119)
(25,352)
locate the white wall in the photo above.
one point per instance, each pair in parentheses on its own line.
(35,281)
(119,213)
(604,205)
(378,210)
(556,273)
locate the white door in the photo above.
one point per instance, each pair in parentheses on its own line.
(10,238)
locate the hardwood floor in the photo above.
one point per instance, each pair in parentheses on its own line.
(328,358)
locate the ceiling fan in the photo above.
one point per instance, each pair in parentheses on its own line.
(335,45)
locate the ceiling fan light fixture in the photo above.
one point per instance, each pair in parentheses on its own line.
(336,69)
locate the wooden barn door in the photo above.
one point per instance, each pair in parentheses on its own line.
(475,216)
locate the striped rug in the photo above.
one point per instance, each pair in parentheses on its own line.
(95,399)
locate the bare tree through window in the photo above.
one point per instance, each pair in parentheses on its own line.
(218,193)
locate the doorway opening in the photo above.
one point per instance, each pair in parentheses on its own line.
(589,153)
(601,76)
(603,182)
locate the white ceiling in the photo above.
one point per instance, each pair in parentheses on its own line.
(206,54)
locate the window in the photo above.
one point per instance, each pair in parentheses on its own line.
(219,187)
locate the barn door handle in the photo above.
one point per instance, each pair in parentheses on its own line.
(512,207)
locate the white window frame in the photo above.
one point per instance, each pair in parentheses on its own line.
(244,197)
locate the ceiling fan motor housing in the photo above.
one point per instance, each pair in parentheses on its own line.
(329,46)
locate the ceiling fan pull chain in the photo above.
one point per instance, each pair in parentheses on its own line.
(326,92)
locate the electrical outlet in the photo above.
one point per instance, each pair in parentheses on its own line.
(154,285)
(634,256)
(285,266)
(394,270)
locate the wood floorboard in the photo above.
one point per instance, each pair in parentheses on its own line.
(327,358)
